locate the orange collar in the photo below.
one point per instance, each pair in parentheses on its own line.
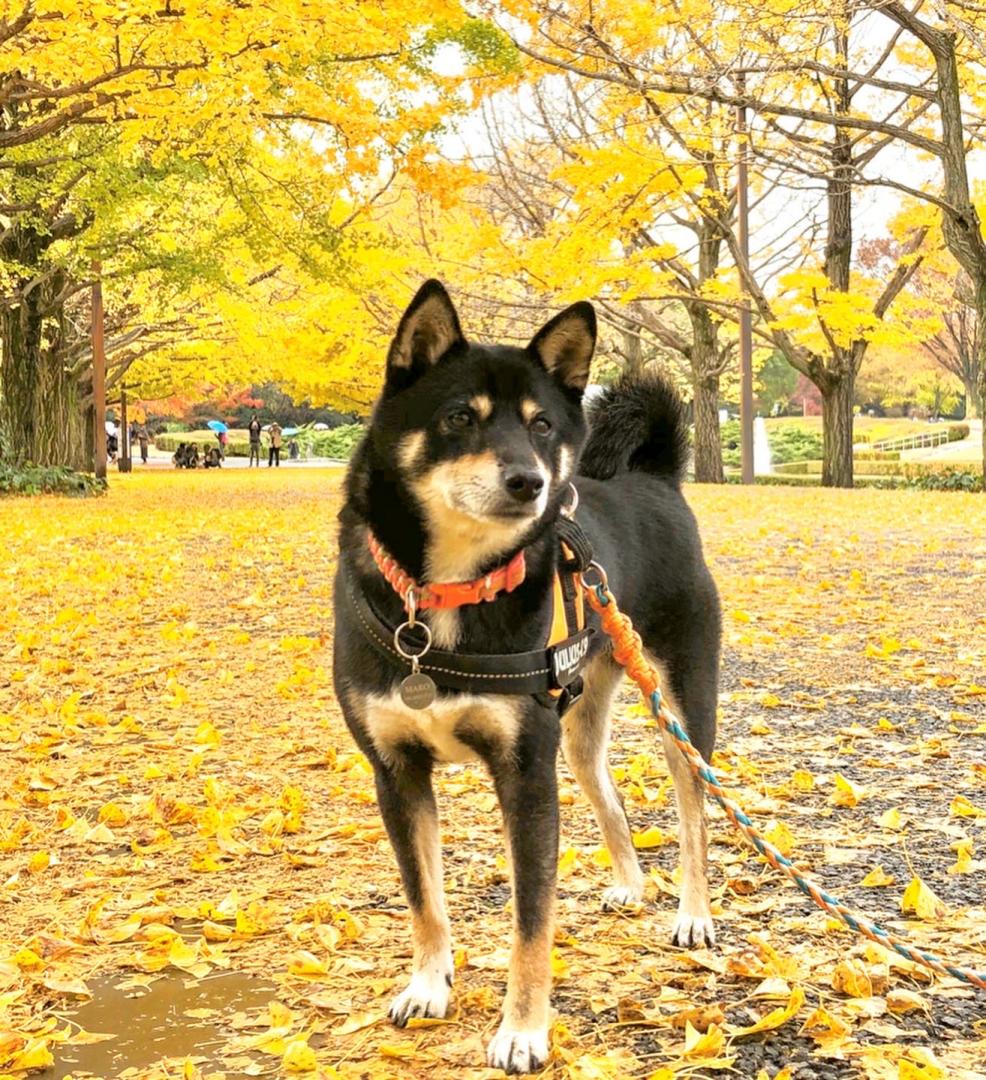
(452,594)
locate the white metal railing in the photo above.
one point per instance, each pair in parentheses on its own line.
(913,442)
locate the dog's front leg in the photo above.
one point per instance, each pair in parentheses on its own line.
(407,803)
(527,787)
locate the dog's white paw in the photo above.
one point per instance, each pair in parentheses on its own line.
(622,896)
(427,994)
(693,929)
(518,1051)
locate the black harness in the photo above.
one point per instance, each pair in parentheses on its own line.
(551,674)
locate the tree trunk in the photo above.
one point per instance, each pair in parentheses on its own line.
(971,388)
(708,443)
(704,362)
(837,403)
(41,414)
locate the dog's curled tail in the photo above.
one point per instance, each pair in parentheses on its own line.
(637,424)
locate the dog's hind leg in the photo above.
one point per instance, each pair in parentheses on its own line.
(585,738)
(407,803)
(526,782)
(691,693)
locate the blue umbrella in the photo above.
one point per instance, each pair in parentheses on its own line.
(289,431)
(217,426)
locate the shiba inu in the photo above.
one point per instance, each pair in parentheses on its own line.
(459,633)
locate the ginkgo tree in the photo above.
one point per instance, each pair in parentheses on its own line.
(595,190)
(346,98)
(822,313)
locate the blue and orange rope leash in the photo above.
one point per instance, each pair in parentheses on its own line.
(628,651)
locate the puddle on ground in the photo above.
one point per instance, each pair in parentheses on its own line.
(150,1023)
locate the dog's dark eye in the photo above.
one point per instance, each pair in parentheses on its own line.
(540,425)
(459,420)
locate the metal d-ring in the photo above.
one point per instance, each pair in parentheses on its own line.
(411,606)
(400,648)
(603,581)
(569,511)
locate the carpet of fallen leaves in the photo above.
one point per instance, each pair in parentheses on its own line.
(180,800)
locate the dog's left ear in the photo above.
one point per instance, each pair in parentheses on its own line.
(565,344)
(427,331)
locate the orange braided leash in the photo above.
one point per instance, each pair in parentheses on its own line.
(628,651)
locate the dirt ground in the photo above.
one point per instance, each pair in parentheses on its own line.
(191,857)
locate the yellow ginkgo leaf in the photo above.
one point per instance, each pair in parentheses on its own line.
(803,780)
(306,965)
(963,857)
(918,899)
(650,838)
(962,807)
(846,792)
(35,1055)
(877,878)
(781,837)
(299,1057)
(707,1045)
(851,977)
(776,1017)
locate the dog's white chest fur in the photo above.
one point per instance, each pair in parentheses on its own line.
(439,727)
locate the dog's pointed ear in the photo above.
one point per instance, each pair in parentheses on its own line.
(565,345)
(427,331)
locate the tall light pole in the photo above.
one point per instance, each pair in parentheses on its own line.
(98,373)
(745,330)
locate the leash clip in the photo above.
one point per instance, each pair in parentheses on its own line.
(602,582)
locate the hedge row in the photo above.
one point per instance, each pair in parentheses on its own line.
(338,442)
(905,469)
(876,455)
(53,479)
(236,447)
(948,480)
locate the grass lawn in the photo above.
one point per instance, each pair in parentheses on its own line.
(181,799)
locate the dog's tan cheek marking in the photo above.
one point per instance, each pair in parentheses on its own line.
(410,449)
(529,409)
(566,459)
(482,406)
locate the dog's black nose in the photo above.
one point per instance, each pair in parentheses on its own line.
(524,484)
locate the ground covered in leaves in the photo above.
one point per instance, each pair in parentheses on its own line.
(194,880)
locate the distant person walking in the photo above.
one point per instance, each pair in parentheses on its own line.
(293,451)
(274,454)
(254,428)
(143,440)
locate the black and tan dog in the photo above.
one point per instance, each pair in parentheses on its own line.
(472,456)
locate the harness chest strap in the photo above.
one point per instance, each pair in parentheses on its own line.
(533,672)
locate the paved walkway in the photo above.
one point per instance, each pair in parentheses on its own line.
(160,460)
(966,451)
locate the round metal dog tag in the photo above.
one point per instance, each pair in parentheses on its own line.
(417,691)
